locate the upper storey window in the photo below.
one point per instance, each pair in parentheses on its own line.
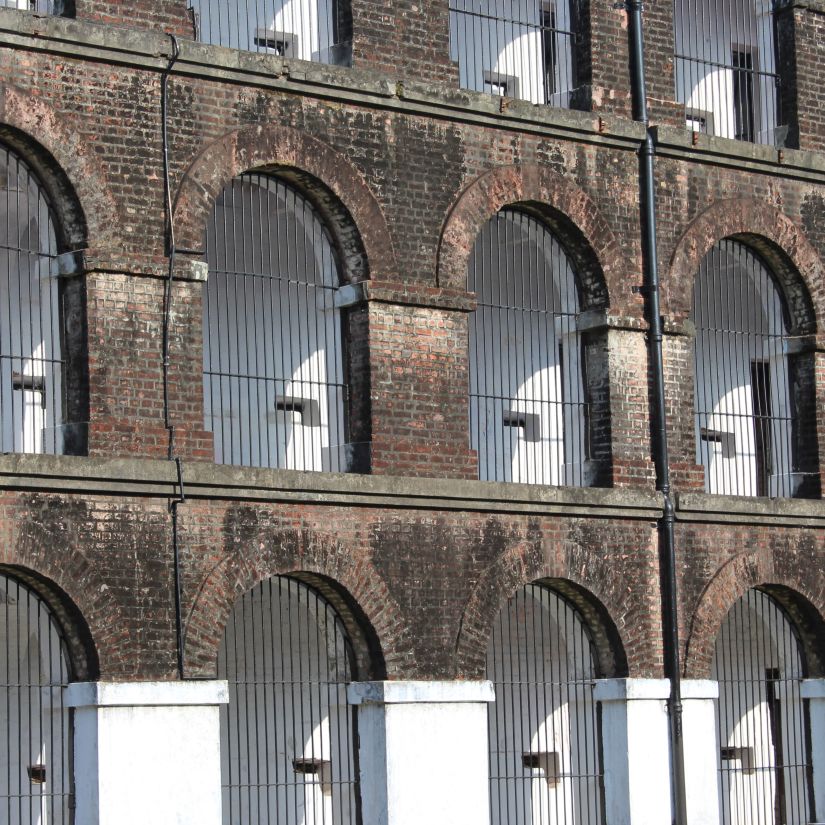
(517,48)
(32,402)
(726,69)
(274,386)
(317,30)
(53,7)
(529,411)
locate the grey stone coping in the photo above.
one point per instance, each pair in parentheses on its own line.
(789,512)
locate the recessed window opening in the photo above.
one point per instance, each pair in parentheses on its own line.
(316,30)
(519,48)
(762,718)
(529,416)
(52,7)
(32,403)
(274,385)
(287,734)
(35,755)
(545,763)
(743,375)
(726,69)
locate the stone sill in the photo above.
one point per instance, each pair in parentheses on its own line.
(144,477)
(790,512)
(151,51)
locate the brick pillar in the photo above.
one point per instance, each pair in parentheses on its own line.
(164,15)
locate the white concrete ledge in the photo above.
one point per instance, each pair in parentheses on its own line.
(408,693)
(623,690)
(146,694)
(813,689)
(699,689)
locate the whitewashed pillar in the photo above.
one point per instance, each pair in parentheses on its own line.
(147,752)
(701,749)
(814,691)
(423,752)
(636,747)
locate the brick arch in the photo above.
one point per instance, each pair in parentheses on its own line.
(519,566)
(335,186)
(802,602)
(567,209)
(781,243)
(53,146)
(346,578)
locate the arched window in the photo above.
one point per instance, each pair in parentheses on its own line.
(762,719)
(287,734)
(545,764)
(726,72)
(35,754)
(274,386)
(744,419)
(32,386)
(523,49)
(317,30)
(529,414)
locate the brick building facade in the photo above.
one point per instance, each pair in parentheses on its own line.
(140,559)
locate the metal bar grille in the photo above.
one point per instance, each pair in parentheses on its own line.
(524,49)
(288,734)
(316,30)
(529,414)
(545,764)
(744,418)
(726,69)
(274,386)
(52,7)
(35,766)
(31,365)
(762,718)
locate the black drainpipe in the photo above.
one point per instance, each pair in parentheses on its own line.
(667,550)
(170,250)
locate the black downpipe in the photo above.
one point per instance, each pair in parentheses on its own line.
(170,250)
(661,458)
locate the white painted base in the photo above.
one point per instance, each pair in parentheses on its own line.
(147,752)
(423,752)
(701,749)
(814,691)
(636,750)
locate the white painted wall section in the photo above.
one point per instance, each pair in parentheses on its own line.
(814,691)
(147,752)
(701,750)
(423,753)
(636,750)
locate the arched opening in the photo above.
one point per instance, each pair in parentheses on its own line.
(33,357)
(762,718)
(744,377)
(316,30)
(545,751)
(524,49)
(529,400)
(35,760)
(288,736)
(726,69)
(274,381)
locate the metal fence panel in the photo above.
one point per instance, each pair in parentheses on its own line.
(545,761)
(764,775)
(274,387)
(744,417)
(35,759)
(529,414)
(287,735)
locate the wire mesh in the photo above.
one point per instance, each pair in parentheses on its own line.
(523,49)
(287,734)
(764,776)
(743,375)
(726,69)
(274,386)
(529,412)
(35,766)
(545,753)
(31,364)
(316,30)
